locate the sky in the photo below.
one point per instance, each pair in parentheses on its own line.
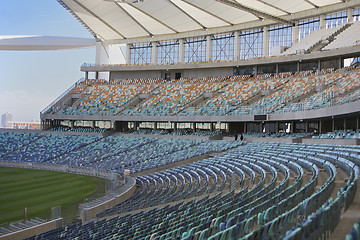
(31,80)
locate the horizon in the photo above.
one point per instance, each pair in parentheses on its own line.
(31,80)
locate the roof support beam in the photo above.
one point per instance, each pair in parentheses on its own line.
(191,17)
(211,14)
(296,16)
(134,19)
(273,6)
(312,4)
(155,19)
(99,18)
(255,12)
(78,18)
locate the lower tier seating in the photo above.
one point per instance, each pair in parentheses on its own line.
(255,191)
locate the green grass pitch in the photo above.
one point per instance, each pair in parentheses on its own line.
(39,191)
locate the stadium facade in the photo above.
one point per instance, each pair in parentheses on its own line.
(177,40)
(190,71)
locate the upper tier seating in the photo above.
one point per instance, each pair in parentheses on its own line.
(336,88)
(287,92)
(171,99)
(311,40)
(350,37)
(237,95)
(234,94)
(106,99)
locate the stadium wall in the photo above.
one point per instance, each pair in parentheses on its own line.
(32,231)
(339,110)
(135,74)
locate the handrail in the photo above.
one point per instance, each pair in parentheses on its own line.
(61,96)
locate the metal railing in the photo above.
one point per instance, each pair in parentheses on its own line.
(61,96)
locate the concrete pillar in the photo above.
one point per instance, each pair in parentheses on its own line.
(344,123)
(154,56)
(266,40)
(181,51)
(333,125)
(320,127)
(306,126)
(155,125)
(322,23)
(350,13)
(211,127)
(295,33)
(245,127)
(292,127)
(277,68)
(93,124)
(277,127)
(236,45)
(86,75)
(340,62)
(136,126)
(194,127)
(128,54)
(298,66)
(208,49)
(72,123)
(175,126)
(96,75)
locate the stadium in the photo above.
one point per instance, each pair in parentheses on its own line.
(206,119)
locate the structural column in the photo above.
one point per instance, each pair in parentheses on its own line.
(181,51)
(236,45)
(350,13)
(322,24)
(208,49)
(128,54)
(266,39)
(154,56)
(295,33)
(211,127)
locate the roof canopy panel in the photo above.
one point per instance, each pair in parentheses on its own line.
(117,20)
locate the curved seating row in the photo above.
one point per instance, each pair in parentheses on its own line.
(270,204)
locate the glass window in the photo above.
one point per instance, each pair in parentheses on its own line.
(308,26)
(223,47)
(195,49)
(281,36)
(334,20)
(251,43)
(168,52)
(141,53)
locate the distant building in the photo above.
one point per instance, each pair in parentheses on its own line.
(25,125)
(6,120)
